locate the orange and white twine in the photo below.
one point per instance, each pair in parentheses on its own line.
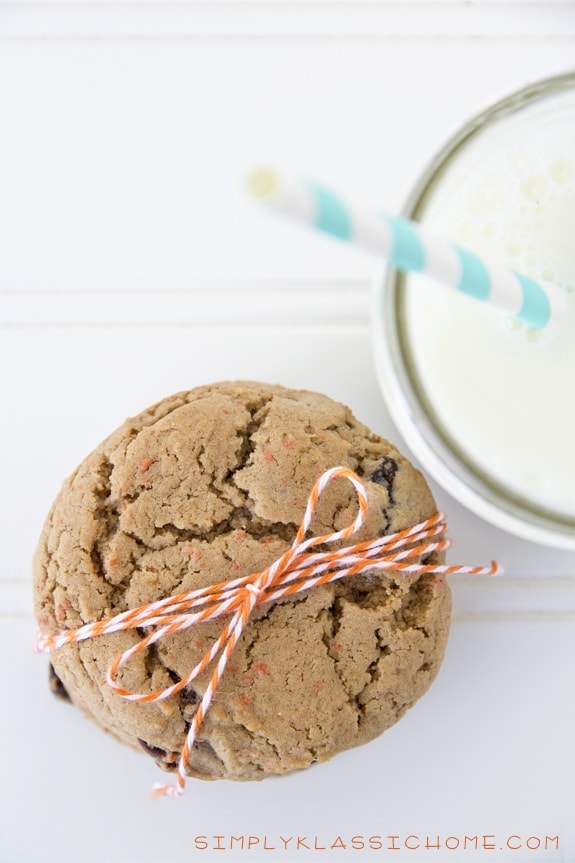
(296,570)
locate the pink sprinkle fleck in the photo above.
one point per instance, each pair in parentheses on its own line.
(262,669)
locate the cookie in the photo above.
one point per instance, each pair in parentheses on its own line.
(209,485)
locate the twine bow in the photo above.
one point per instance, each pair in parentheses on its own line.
(296,570)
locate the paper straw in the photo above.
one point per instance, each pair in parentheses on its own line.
(407,247)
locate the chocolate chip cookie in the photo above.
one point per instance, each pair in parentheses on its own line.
(209,485)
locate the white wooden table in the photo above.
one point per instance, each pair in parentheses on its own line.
(132,266)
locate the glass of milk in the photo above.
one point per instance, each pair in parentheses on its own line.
(486,404)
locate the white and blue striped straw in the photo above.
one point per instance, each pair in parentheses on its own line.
(407,247)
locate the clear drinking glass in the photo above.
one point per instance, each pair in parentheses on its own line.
(486,405)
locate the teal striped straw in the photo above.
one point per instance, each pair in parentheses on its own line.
(407,247)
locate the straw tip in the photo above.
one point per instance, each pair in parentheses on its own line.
(263,184)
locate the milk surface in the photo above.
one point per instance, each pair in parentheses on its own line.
(502,394)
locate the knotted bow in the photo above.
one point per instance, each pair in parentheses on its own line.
(296,570)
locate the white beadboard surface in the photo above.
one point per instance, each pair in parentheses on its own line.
(132,265)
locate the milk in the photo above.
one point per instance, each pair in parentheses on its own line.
(503,396)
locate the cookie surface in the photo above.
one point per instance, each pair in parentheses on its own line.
(209,485)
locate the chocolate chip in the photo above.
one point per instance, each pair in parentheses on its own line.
(57,688)
(189,696)
(155,751)
(166,760)
(384,474)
